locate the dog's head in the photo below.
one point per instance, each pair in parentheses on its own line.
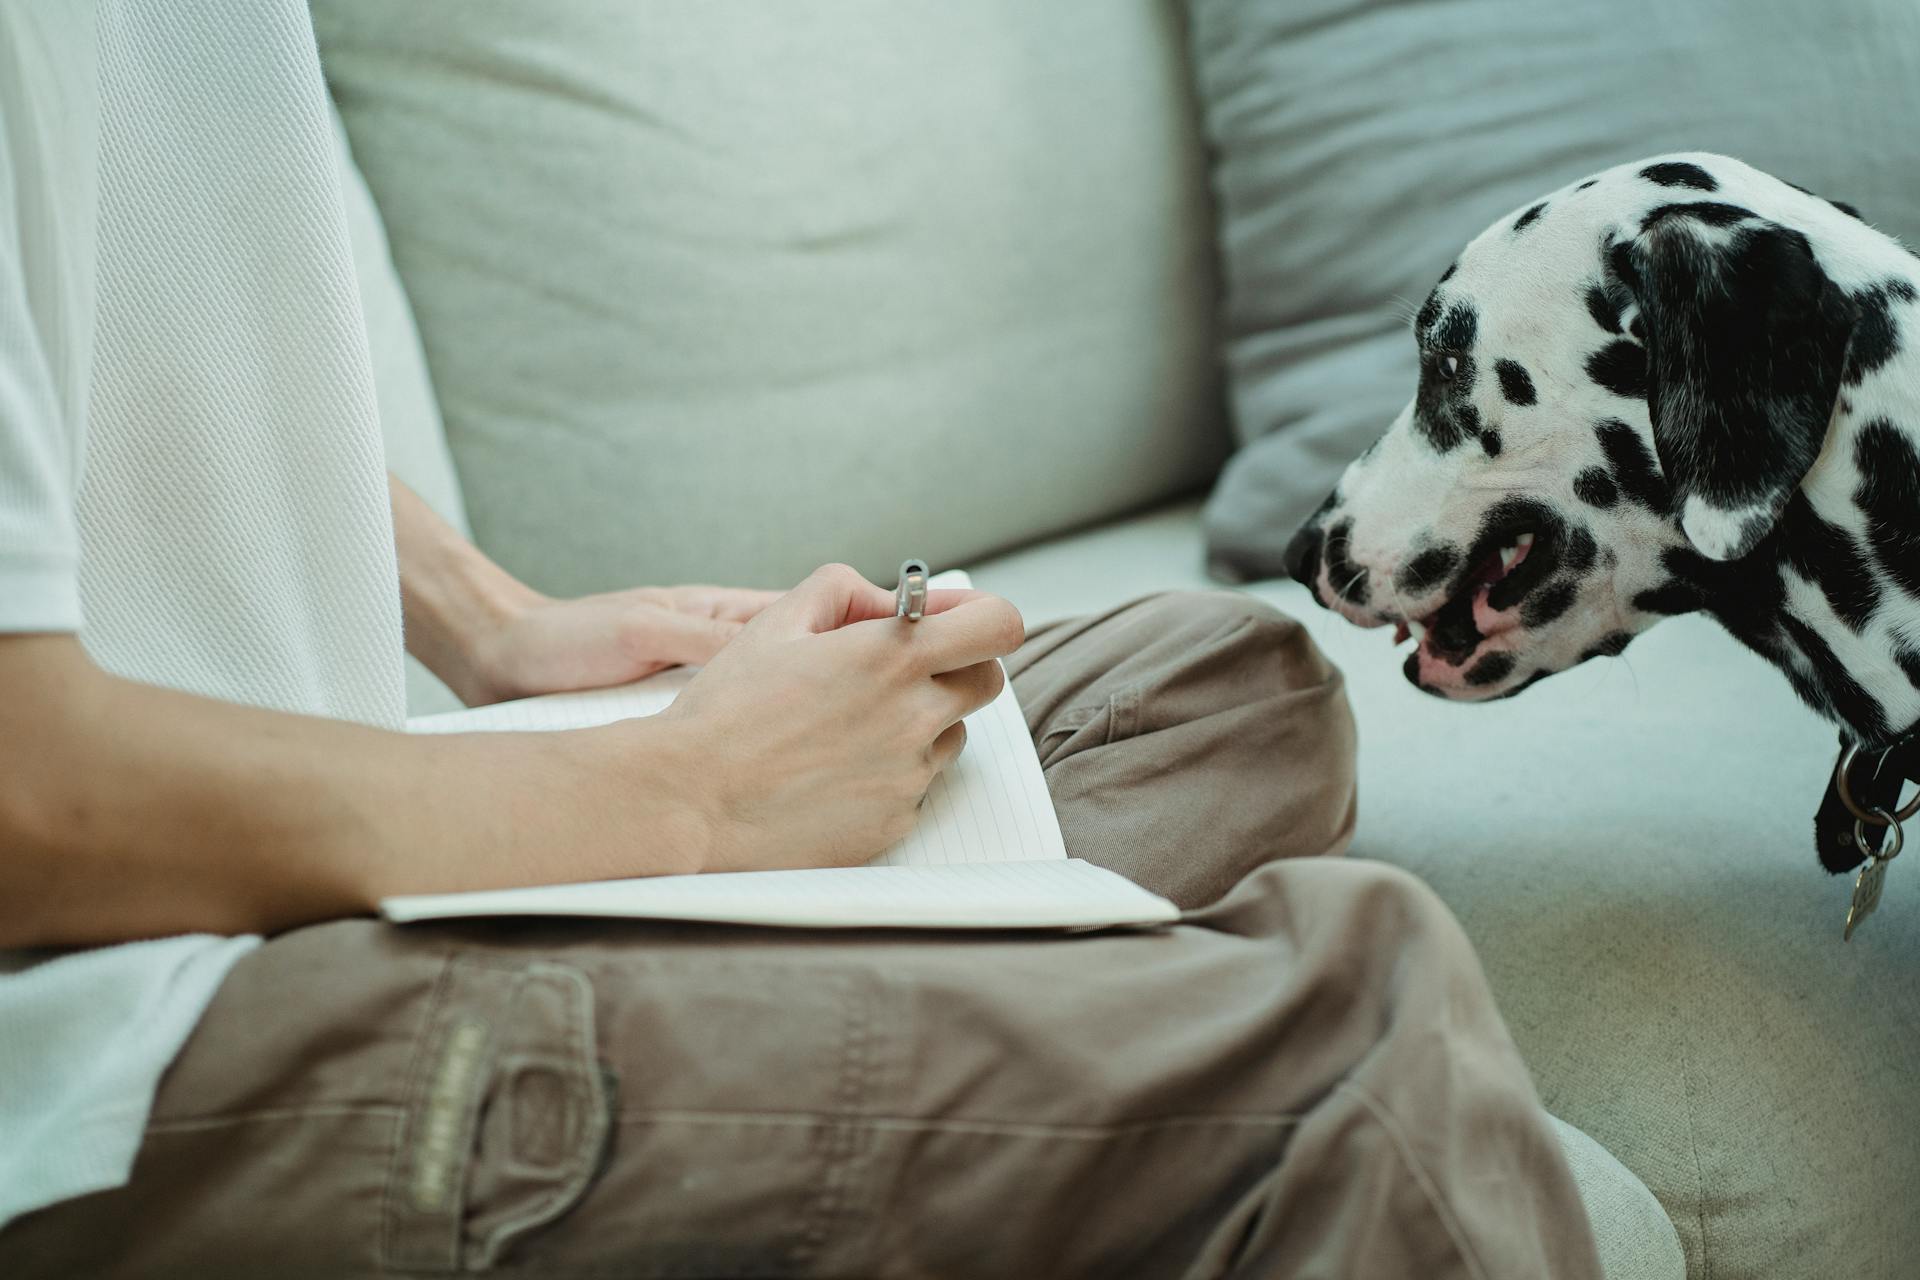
(1626,377)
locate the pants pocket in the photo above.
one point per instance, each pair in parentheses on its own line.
(508,1114)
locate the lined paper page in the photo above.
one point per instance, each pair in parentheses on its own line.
(1050,894)
(563,710)
(990,805)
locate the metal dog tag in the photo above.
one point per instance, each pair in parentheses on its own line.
(1866,895)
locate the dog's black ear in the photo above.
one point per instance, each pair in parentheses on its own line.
(1746,338)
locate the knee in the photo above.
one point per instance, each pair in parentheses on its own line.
(1370,923)
(1271,646)
(1210,612)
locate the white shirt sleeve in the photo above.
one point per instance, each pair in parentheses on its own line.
(47,215)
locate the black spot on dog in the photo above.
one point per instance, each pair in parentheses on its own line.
(1637,329)
(1678,173)
(1448,273)
(1827,556)
(1876,336)
(1528,218)
(1428,313)
(1491,669)
(1671,597)
(1458,330)
(1428,569)
(1620,367)
(1620,264)
(1633,465)
(1515,385)
(1712,212)
(1611,646)
(1603,307)
(1580,550)
(1889,495)
(1545,605)
(1589,182)
(1835,684)
(1909,662)
(1596,488)
(1349,580)
(1491,442)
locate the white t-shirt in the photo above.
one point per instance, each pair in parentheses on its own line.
(191,473)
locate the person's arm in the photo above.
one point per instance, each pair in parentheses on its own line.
(131,811)
(489,637)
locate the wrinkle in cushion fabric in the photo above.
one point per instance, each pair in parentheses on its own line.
(1359,146)
(708,297)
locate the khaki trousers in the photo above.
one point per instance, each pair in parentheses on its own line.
(1305,1078)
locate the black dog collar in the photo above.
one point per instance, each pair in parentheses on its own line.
(1875,778)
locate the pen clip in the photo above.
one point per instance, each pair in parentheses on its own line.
(910,597)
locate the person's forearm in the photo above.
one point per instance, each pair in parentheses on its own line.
(451,594)
(132,811)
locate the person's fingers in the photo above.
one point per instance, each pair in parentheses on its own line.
(965,691)
(945,598)
(831,597)
(970,631)
(669,637)
(738,604)
(947,747)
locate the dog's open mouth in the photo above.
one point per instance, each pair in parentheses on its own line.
(1484,601)
(1475,589)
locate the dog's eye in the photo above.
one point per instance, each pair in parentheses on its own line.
(1446,365)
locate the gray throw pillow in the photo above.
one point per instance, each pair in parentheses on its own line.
(1358,146)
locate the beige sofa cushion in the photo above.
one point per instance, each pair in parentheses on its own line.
(713,293)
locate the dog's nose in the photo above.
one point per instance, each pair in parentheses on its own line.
(1302,556)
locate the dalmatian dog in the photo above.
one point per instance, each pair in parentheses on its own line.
(1681,384)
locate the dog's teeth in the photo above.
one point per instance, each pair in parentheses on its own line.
(1416,629)
(1524,541)
(1507,556)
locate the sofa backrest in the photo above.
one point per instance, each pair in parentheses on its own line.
(721,293)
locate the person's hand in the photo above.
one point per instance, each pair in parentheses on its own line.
(814,735)
(549,646)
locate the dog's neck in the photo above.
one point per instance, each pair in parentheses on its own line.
(1862,685)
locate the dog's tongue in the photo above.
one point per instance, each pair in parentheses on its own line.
(1400,632)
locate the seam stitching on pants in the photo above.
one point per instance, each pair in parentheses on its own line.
(1010,1128)
(422,1053)
(1420,1177)
(318,1111)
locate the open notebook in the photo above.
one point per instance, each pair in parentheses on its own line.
(986,852)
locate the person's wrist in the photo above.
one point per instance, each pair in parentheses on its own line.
(670,778)
(462,616)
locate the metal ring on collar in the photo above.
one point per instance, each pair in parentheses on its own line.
(1894,838)
(1877,817)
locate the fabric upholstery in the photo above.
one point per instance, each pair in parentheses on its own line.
(1636,1238)
(1361,144)
(706,298)
(1629,846)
